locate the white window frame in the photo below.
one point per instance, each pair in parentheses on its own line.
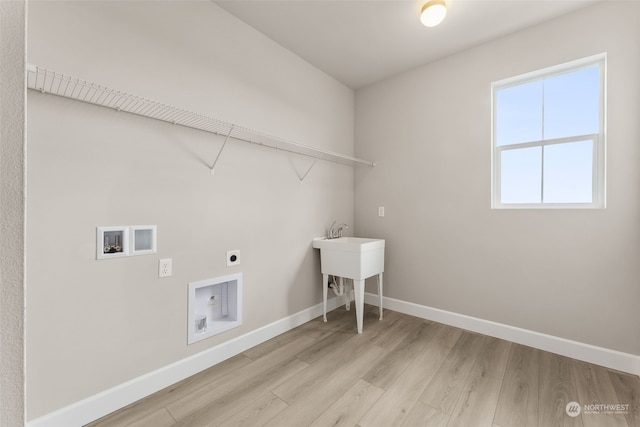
(598,139)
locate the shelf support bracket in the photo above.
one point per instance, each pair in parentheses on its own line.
(212,167)
(301,178)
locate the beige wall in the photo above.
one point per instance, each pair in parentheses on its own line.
(12,119)
(569,273)
(95,324)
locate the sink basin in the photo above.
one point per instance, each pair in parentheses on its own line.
(352,258)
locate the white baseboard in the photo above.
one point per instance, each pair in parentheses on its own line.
(110,400)
(613,359)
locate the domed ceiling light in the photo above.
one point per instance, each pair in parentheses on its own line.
(433,12)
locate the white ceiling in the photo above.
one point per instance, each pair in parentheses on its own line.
(362,41)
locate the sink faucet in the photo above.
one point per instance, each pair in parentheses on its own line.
(335,231)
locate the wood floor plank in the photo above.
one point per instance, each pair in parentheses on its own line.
(594,387)
(190,403)
(557,388)
(386,372)
(258,413)
(518,404)
(338,359)
(309,404)
(397,329)
(627,389)
(477,403)
(444,390)
(273,344)
(236,400)
(347,410)
(422,415)
(400,397)
(158,418)
(168,395)
(493,357)
(325,346)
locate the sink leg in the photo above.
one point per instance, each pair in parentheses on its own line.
(380,293)
(358,287)
(325,288)
(352,296)
(347,294)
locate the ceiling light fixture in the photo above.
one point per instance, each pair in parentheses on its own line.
(433,12)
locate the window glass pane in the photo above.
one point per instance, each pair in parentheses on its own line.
(519,113)
(568,172)
(521,175)
(571,103)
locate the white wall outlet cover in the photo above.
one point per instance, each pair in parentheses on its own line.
(233,257)
(165,268)
(381,211)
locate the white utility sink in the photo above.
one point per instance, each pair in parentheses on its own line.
(353,258)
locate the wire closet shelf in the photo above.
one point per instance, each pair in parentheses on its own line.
(55,83)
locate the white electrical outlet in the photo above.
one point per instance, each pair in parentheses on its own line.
(164,267)
(233,258)
(381,211)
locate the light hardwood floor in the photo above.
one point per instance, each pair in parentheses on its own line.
(402,371)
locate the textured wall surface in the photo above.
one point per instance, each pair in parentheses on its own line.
(564,272)
(12,116)
(93,325)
